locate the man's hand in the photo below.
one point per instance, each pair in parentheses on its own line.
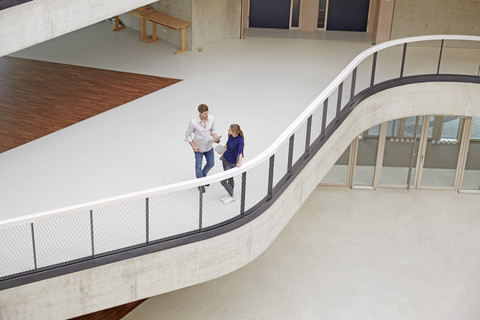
(195,148)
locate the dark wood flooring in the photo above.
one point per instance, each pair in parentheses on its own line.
(38,97)
(115,313)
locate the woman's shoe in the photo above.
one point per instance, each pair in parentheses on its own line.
(228,200)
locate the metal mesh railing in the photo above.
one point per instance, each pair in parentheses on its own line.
(62,237)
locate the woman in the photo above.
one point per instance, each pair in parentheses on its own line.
(231,158)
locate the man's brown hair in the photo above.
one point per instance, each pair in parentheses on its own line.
(202,108)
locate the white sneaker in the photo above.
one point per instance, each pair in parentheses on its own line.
(228,200)
(224,198)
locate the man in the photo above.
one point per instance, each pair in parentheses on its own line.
(203,130)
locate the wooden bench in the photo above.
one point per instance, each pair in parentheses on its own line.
(156,17)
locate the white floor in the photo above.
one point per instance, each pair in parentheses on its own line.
(351,254)
(263,83)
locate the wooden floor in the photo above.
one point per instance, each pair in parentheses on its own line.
(115,313)
(38,98)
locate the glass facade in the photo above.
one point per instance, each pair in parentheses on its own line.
(339,172)
(295,23)
(471,176)
(441,154)
(366,157)
(412,157)
(401,148)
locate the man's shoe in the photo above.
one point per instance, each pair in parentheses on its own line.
(224,198)
(229,200)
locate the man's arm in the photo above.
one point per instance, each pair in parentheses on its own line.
(194,147)
(188,137)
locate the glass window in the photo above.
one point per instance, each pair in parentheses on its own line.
(339,172)
(441,155)
(295,14)
(471,176)
(322,6)
(399,157)
(366,158)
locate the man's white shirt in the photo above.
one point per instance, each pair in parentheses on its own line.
(202,135)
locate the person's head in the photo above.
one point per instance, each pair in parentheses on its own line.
(203,111)
(235,130)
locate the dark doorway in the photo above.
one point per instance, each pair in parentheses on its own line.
(347,15)
(269,14)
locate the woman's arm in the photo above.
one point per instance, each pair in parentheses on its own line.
(239,162)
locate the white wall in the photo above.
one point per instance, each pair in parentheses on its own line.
(33,22)
(130,280)
(426,17)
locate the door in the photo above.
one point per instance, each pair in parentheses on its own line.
(269,14)
(400,153)
(366,158)
(441,151)
(347,15)
(471,175)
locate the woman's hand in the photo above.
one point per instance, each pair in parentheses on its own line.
(239,164)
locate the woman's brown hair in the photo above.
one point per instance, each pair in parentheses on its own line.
(236,128)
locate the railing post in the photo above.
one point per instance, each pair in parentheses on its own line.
(244,187)
(339,101)
(403,60)
(290,154)
(91,233)
(324,116)
(354,80)
(200,214)
(33,245)
(307,138)
(270,176)
(374,66)
(147,219)
(440,58)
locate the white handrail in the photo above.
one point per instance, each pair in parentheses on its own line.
(264,156)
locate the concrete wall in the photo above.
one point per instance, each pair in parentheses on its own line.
(28,24)
(33,22)
(130,280)
(425,17)
(215,20)
(212,21)
(181,9)
(384,21)
(233,19)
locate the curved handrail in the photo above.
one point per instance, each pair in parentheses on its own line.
(312,107)
(288,133)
